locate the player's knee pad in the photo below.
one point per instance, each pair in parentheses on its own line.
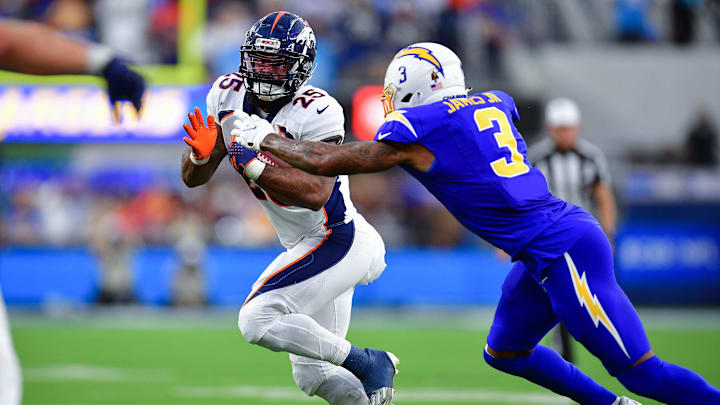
(644,379)
(251,324)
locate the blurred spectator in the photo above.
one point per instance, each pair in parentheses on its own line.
(713,10)
(683,17)
(633,21)
(702,141)
(113,241)
(164,22)
(447,31)
(123,25)
(189,284)
(125,210)
(224,37)
(72,17)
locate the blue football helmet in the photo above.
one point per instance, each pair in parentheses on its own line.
(277,57)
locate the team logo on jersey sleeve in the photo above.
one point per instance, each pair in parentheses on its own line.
(399,116)
(591,303)
(422,54)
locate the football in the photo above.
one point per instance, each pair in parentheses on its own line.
(271,159)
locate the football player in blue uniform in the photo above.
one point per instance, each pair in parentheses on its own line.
(467,152)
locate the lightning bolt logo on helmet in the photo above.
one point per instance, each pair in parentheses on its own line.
(422,54)
(591,303)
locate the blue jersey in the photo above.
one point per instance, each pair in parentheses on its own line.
(482,176)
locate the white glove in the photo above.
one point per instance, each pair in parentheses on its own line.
(250,130)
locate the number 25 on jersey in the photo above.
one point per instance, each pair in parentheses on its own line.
(504,138)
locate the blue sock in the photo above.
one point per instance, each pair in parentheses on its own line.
(545,367)
(668,383)
(357,362)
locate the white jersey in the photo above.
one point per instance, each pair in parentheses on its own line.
(312,115)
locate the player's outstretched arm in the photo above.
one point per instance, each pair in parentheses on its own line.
(36,49)
(332,160)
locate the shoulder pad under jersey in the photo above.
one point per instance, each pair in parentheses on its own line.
(312,115)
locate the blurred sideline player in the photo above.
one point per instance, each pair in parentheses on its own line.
(577,172)
(36,49)
(302,302)
(468,153)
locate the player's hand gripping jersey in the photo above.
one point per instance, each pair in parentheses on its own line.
(312,115)
(481,174)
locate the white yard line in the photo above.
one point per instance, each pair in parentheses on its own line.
(406,394)
(88,372)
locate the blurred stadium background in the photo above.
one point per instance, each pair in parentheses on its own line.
(122,283)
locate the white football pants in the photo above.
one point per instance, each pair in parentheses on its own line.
(10,376)
(310,319)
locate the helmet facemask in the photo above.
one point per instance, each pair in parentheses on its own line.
(389,99)
(273,76)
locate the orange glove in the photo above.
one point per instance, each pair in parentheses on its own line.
(202,139)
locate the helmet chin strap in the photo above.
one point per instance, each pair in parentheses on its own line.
(450,92)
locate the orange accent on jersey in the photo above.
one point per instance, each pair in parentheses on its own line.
(223,118)
(327,236)
(280,14)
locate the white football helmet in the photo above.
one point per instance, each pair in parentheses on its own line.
(422,73)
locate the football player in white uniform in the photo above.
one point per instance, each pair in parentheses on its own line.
(301,303)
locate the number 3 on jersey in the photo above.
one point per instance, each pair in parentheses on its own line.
(516,166)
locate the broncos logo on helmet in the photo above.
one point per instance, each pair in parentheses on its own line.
(277,57)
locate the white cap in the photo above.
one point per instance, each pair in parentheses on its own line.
(562,112)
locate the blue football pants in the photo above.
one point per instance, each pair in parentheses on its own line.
(578,289)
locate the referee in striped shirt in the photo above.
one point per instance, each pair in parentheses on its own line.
(577,172)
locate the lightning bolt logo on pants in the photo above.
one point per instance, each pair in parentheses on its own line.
(591,303)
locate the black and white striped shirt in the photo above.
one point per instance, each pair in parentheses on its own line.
(571,175)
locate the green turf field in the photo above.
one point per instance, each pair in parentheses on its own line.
(141,359)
